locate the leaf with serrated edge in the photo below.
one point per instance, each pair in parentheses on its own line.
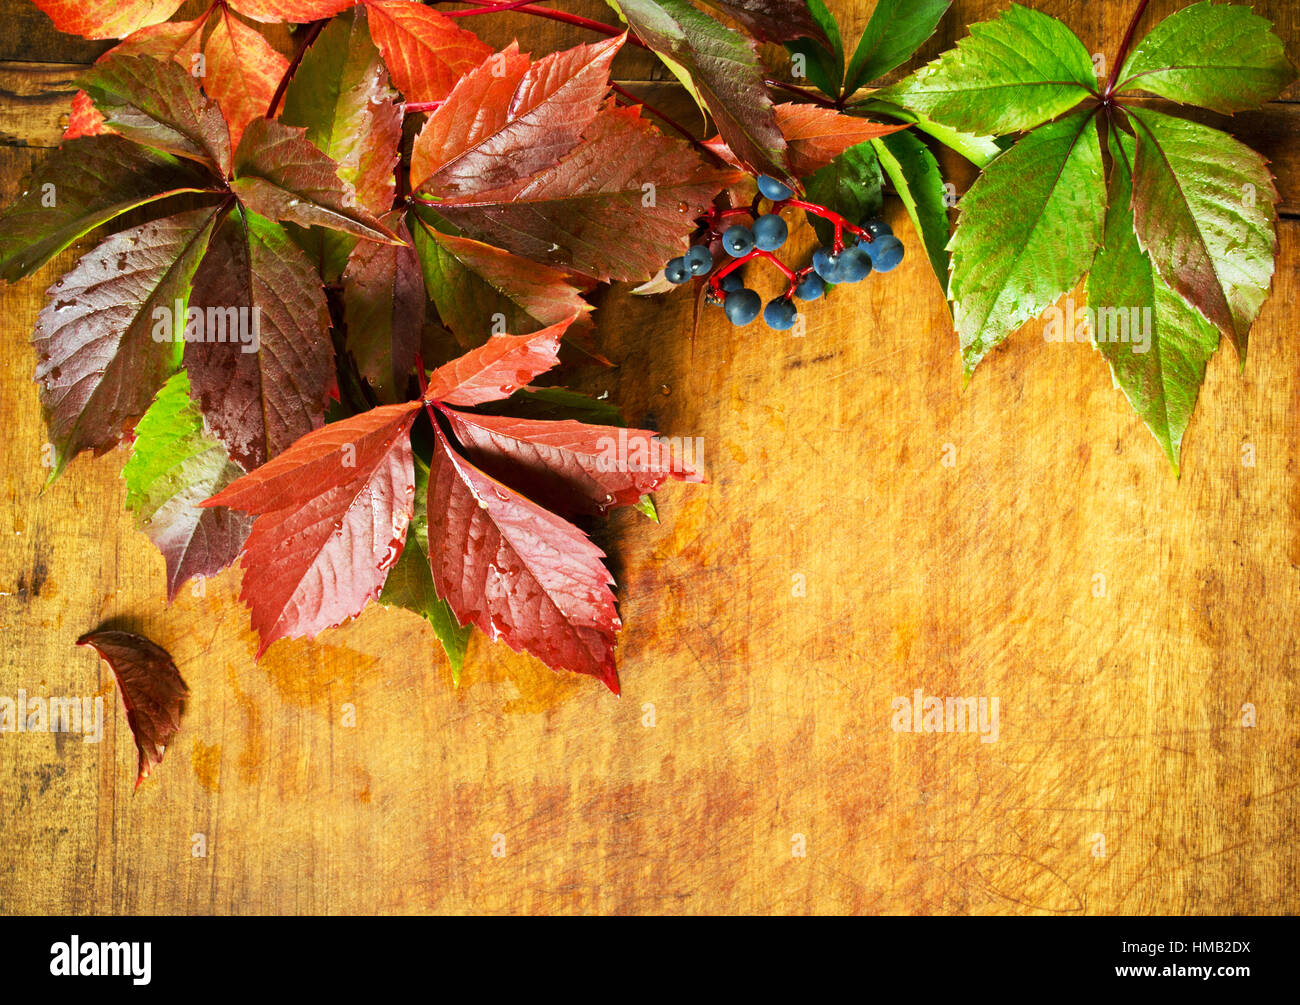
(332,513)
(507,119)
(384,300)
(849,185)
(280,174)
(589,213)
(258,403)
(106,18)
(1203,207)
(773,20)
(520,573)
(1223,57)
(896,30)
(173,467)
(151,688)
(1009,74)
(425,52)
(1027,232)
(724,70)
(157,103)
(919,183)
(568,466)
(823,62)
(243,72)
(99,360)
(497,368)
(83,184)
(1162,373)
(471,283)
(298,11)
(815,136)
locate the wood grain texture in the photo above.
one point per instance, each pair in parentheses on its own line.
(832,563)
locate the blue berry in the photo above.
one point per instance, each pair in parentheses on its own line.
(770,232)
(855,265)
(773,189)
(877,228)
(886,252)
(826,264)
(699,260)
(731,282)
(742,306)
(738,241)
(810,287)
(780,314)
(677,271)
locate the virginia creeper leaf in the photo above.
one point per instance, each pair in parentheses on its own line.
(896,30)
(593,212)
(83,184)
(979,150)
(279,173)
(425,52)
(497,368)
(773,20)
(520,573)
(506,120)
(332,512)
(173,467)
(1203,208)
(151,688)
(243,72)
(157,103)
(1223,57)
(822,61)
(259,402)
(477,286)
(814,135)
(1027,232)
(106,18)
(849,185)
(102,353)
(410,583)
(919,183)
(300,11)
(1009,74)
(1162,373)
(384,300)
(723,69)
(567,466)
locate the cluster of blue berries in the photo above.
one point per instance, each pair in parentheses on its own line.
(876,249)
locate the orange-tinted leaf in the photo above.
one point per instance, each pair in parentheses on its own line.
(84,119)
(106,18)
(295,11)
(498,368)
(243,72)
(425,52)
(814,135)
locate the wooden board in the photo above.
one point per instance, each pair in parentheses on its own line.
(869,529)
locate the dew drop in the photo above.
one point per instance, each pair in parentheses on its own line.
(665,390)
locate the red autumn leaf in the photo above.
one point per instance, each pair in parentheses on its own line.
(617,206)
(151,688)
(259,402)
(295,11)
(332,516)
(522,574)
(384,300)
(243,72)
(106,18)
(498,368)
(281,174)
(814,135)
(773,20)
(507,119)
(425,52)
(569,466)
(84,119)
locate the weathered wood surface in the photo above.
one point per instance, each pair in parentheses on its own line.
(832,563)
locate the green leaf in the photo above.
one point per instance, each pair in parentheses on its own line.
(723,67)
(410,583)
(916,178)
(1027,232)
(979,150)
(896,30)
(849,185)
(1203,210)
(824,68)
(646,505)
(83,184)
(1222,57)
(174,466)
(157,103)
(1008,75)
(1156,345)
